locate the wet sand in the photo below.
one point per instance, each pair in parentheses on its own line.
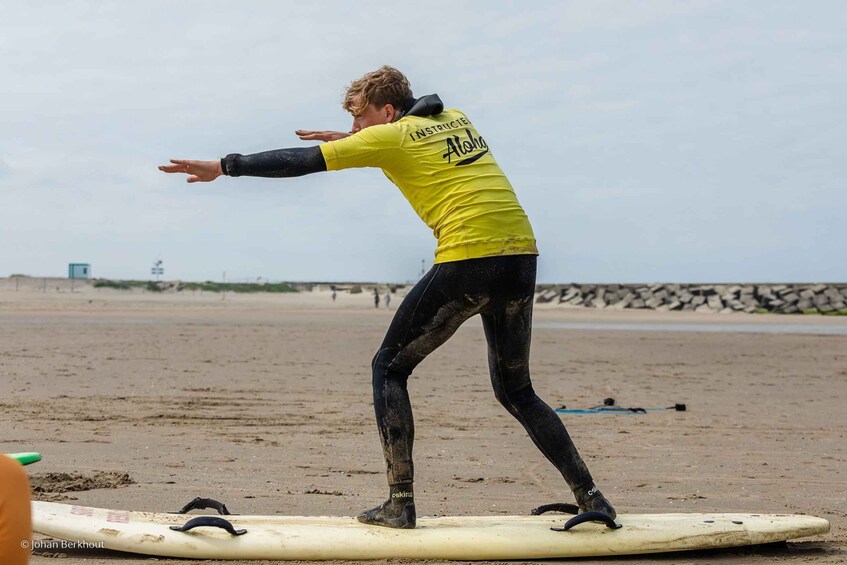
(264,402)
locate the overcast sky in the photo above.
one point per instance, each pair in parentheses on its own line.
(648,141)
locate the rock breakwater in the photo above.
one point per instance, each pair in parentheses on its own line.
(784,298)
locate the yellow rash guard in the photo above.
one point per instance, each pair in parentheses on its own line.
(444,169)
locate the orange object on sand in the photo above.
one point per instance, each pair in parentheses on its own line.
(15,519)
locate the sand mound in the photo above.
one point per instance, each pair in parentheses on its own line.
(50,486)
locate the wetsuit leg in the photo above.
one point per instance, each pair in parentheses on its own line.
(507,321)
(431,313)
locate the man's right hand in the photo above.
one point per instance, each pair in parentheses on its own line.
(197,171)
(310,135)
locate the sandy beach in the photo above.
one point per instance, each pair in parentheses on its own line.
(146,401)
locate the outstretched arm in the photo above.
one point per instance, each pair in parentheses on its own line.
(292,162)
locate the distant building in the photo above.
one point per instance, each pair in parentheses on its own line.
(79,271)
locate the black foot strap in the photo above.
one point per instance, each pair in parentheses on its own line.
(588,517)
(211,522)
(202,503)
(556,507)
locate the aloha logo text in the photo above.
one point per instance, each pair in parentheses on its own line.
(459,148)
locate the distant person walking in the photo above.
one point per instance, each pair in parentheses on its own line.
(387,298)
(376,298)
(485,264)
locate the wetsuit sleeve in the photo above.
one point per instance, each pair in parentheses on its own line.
(376,146)
(292,162)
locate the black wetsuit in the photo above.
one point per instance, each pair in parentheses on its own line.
(500,289)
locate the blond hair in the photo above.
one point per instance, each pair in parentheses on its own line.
(385,85)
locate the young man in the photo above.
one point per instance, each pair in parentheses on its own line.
(485,264)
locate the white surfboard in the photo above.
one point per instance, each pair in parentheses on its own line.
(452,538)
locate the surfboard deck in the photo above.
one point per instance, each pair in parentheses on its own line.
(25,458)
(448,538)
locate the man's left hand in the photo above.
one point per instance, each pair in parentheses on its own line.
(310,135)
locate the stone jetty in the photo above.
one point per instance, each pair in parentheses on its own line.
(784,298)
